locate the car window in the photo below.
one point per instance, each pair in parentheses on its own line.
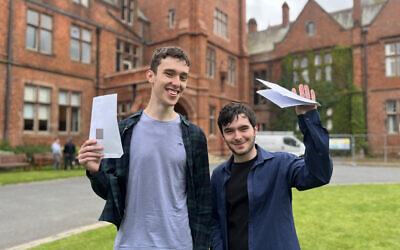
(290,142)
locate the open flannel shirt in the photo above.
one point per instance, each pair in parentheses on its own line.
(111,181)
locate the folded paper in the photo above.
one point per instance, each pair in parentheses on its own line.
(283,97)
(104,125)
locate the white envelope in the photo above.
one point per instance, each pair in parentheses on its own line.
(283,97)
(104,125)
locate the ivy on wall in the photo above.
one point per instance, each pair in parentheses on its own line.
(340,94)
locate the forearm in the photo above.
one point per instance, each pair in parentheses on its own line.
(99,182)
(318,163)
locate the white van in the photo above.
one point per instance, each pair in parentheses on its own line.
(280,141)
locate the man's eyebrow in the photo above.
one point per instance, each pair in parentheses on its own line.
(169,70)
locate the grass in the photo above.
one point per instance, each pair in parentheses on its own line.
(349,217)
(99,239)
(332,217)
(13,176)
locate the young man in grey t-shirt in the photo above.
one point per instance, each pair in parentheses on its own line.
(158,193)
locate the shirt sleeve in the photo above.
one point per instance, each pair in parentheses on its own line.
(216,232)
(203,194)
(99,181)
(316,167)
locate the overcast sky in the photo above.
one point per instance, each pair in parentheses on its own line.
(269,12)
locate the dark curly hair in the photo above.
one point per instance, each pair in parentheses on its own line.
(231,111)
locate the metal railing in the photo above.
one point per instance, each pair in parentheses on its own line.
(382,147)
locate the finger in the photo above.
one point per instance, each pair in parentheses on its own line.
(313,95)
(90,154)
(294,90)
(301,90)
(90,149)
(89,142)
(86,160)
(306,92)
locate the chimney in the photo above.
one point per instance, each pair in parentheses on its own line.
(285,14)
(357,10)
(252,25)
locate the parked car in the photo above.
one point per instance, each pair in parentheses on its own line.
(280,141)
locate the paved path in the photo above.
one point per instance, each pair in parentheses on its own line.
(37,210)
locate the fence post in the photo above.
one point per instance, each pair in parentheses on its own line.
(385,148)
(353,150)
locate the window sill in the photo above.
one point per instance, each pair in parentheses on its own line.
(39,52)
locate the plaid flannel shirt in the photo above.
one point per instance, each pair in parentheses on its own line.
(111,181)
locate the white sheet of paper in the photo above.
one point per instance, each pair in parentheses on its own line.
(104,125)
(283,97)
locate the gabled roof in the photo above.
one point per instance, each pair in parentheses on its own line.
(369,13)
(142,16)
(265,40)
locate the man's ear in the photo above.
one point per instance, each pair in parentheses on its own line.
(150,76)
(255,129)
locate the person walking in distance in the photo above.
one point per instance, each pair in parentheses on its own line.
(56,150)
(158,193)
(69,154)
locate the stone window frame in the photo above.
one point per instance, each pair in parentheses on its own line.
(392,114)
(310,28)
(171,18)
(72,111)
(84,41)
(329,121)
(37,104)
(231,70)
(213,121)
(127,11)
(124,110)
(392,57)
(304,69)
(220,23)
(127,53)
(39,28)
(328,66)
(258,99)
(84,3)
(210,62)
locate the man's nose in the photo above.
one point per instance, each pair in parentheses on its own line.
(237,135)
(176,81)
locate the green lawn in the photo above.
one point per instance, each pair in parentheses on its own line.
(13,176)
(332,217)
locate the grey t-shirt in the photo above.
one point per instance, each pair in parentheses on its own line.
(156,214)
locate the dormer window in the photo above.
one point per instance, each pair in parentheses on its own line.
(127,11)
(171,18)
(82,2)
(310,28)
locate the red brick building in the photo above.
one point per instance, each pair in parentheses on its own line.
(58,55)
(370,30)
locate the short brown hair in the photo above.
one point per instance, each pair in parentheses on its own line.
(163,53)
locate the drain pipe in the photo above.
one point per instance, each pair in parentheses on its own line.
(8,71)
(364,33)
(97,84)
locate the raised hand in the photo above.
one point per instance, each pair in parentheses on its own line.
(304,91)
(88,157)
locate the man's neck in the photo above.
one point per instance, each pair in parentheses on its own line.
(161,112)
(246,157)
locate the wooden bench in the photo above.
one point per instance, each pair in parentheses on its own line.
(14,161)
(42,159)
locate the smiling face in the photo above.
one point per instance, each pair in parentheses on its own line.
(239,136)
(169,82)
